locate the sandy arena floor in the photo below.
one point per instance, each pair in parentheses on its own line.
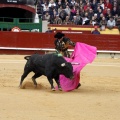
(97,99)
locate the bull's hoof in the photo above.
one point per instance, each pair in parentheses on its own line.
(60,89)
(78,86)
(20,86)
(53,89)
(35,86)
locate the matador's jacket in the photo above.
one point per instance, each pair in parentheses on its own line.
(62,46)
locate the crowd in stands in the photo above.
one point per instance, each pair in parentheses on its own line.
(103,13)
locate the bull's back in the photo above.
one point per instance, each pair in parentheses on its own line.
(41,60)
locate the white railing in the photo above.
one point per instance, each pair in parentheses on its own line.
(52,49)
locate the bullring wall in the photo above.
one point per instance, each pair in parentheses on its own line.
(46,40)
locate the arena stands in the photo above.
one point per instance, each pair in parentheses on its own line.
(80,12)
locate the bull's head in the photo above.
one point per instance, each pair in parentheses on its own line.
(67,70)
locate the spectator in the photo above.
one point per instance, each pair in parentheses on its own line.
(81,4)
(51,20)
(39,9)
(72,2)
(95,31)
(67,20)
(105,11)
(118,23)
(87,7)
(108,4)
(77,7)
(90,14)
(111,23)
(57,20)
(60,9)
(108,15)
(118,6)
(79,19)
(63,15)
(67,10)
(82,12)
(114,11)
(51,11)
(85,19)
(96,10)
(103,23)
(94,5)
(115,4)
(116,17)
(66,2)
(93,21)
(99,6)
(73,11)
(49,30)
(35,2)
(102,4)
(100,18)
(52,3)
(46,16)
(75,21)
(59,3)
(55,12)
(45,8)
(96,19)
(99,13)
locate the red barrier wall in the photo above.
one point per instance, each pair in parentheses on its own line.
(46,40)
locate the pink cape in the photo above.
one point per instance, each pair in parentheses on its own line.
(83,54)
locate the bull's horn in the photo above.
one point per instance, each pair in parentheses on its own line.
(63,64)
(75,63)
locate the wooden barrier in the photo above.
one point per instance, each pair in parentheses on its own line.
(82,29)
(35,42)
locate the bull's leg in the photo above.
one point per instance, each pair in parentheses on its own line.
(36,75)
(23,77)
(51,83)
(58,82)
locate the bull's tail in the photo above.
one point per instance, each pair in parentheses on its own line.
(27,57)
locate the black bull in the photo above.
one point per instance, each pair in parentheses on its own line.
(50,65)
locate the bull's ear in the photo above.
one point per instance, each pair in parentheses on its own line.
(63,64)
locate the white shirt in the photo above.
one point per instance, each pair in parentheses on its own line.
(111,23)
(84,19)
(51,4)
